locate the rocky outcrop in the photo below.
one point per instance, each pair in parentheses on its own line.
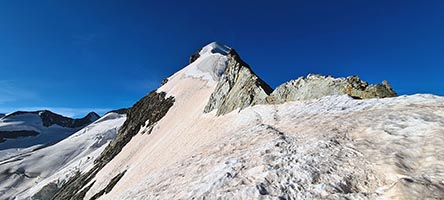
(238,87)
(109,187)
(195,56)
(146,112)
(317,86)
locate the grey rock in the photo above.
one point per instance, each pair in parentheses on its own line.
(317,86)
(238,87)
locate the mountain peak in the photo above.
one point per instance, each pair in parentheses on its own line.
(211,48)
(209,62)
(92,116)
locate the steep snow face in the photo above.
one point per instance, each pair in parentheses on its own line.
(211,63)
(25,174)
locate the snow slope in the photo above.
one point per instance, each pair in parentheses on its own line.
(25,174)
(335,147)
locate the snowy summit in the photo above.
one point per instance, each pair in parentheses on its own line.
(210,63)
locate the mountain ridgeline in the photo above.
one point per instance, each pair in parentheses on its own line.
(25,124)
(237,87)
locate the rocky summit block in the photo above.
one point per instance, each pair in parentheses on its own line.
(238,87)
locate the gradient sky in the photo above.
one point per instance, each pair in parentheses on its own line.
(77,56)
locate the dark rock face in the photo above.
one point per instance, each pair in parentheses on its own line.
(2,115)
(150,108)
(238,87)
(109,187)
(147,111)
(46,192)
(16,134)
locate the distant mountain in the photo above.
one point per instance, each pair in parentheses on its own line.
(61,161)
(2,115)
(26,129)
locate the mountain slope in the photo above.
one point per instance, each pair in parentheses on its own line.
(244,146)
(26,174)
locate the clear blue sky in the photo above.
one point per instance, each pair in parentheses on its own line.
(76,56)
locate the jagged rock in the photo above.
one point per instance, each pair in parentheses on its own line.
(238,87)
(195,56)
(163,82)
(149,109)
(317,86)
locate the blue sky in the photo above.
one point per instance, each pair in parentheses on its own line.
(77,56)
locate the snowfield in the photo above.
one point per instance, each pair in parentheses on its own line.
(335,147)
(25,174)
